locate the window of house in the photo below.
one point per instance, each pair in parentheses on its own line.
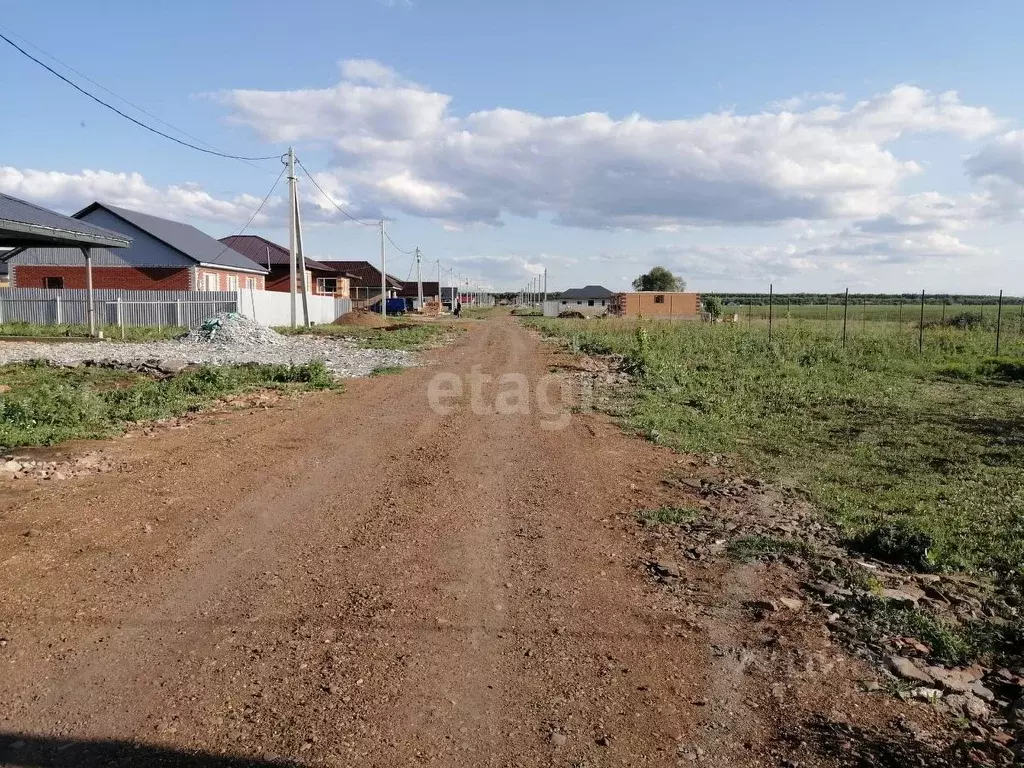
(327,285)
(659,299)
(565,303)
(602,302)
(53,282)
(590,302)
(250,283)
(579,303)
(211,282)
(232,282)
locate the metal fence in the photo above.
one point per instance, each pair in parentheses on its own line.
(113,307)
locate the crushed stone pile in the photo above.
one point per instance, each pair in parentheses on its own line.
(233,328)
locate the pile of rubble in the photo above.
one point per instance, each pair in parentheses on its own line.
(226,340)
(909,625)
(14,467)
(232,328)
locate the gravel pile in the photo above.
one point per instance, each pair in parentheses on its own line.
(233,343)
(230,328)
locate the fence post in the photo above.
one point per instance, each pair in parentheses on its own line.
(846,310)
(57,314)
(920,327)
(120,318)
(999,321)
(177,314)
(771,293)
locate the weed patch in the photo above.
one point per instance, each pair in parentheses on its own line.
(48,405)
(669,515)
(749,549)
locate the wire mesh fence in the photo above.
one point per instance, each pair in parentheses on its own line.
(998,318)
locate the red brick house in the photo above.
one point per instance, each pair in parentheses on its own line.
(367,279)
(324,280)
(164,255)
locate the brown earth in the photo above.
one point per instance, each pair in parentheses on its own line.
(353,579)
(363,318)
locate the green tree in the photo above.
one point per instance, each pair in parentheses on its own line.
(659,279)
(713,306)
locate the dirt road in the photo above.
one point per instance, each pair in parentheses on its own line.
(356,579)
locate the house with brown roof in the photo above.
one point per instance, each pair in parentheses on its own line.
(367,285)
(323,279)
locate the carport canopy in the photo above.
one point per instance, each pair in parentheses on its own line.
(24,225)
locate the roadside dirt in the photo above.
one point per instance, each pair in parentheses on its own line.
(353,579)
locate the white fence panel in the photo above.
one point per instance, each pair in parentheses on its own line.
(114,307)
(275,307)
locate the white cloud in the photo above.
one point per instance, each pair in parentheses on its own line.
(795,102)
(184,202)
(400,146)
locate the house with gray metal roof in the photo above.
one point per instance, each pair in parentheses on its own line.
(162,255)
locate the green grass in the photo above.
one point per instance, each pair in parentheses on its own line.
(399,336)
(47,405)
(857,312)
(386,370)
(669,515)
(751,548)
(928,445)
(131,333)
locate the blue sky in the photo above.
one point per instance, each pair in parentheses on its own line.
(813,145)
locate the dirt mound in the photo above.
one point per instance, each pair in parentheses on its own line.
(363,319)
(572,315)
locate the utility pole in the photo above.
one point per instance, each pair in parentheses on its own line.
(292,254)
(419,280)
(439,282)
(301,254)
(545,288)
(383,276)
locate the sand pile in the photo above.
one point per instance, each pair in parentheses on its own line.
(363,319)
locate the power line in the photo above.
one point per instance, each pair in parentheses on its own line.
(254,215)
(331,200)
(401,250)
(126,116)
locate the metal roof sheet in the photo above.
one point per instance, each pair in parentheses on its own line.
(25,224)
(184,238)
(256,248)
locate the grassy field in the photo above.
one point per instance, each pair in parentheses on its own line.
(918,457)
(131,333)
(398,336)
(47,405)
(857,312)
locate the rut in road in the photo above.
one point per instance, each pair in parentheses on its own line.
(362,579)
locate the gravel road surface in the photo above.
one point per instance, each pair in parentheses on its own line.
(344,358)
(352,579)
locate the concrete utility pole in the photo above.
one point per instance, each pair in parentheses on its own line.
(301,253)
(419,279)
(439,301)
(545,287)
(292,232)
(383,275)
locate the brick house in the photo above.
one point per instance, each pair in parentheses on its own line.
(366,279)
(164,255)
(323,280)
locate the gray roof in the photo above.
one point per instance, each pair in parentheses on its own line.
(23,224)
(184,238)
(588,292)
